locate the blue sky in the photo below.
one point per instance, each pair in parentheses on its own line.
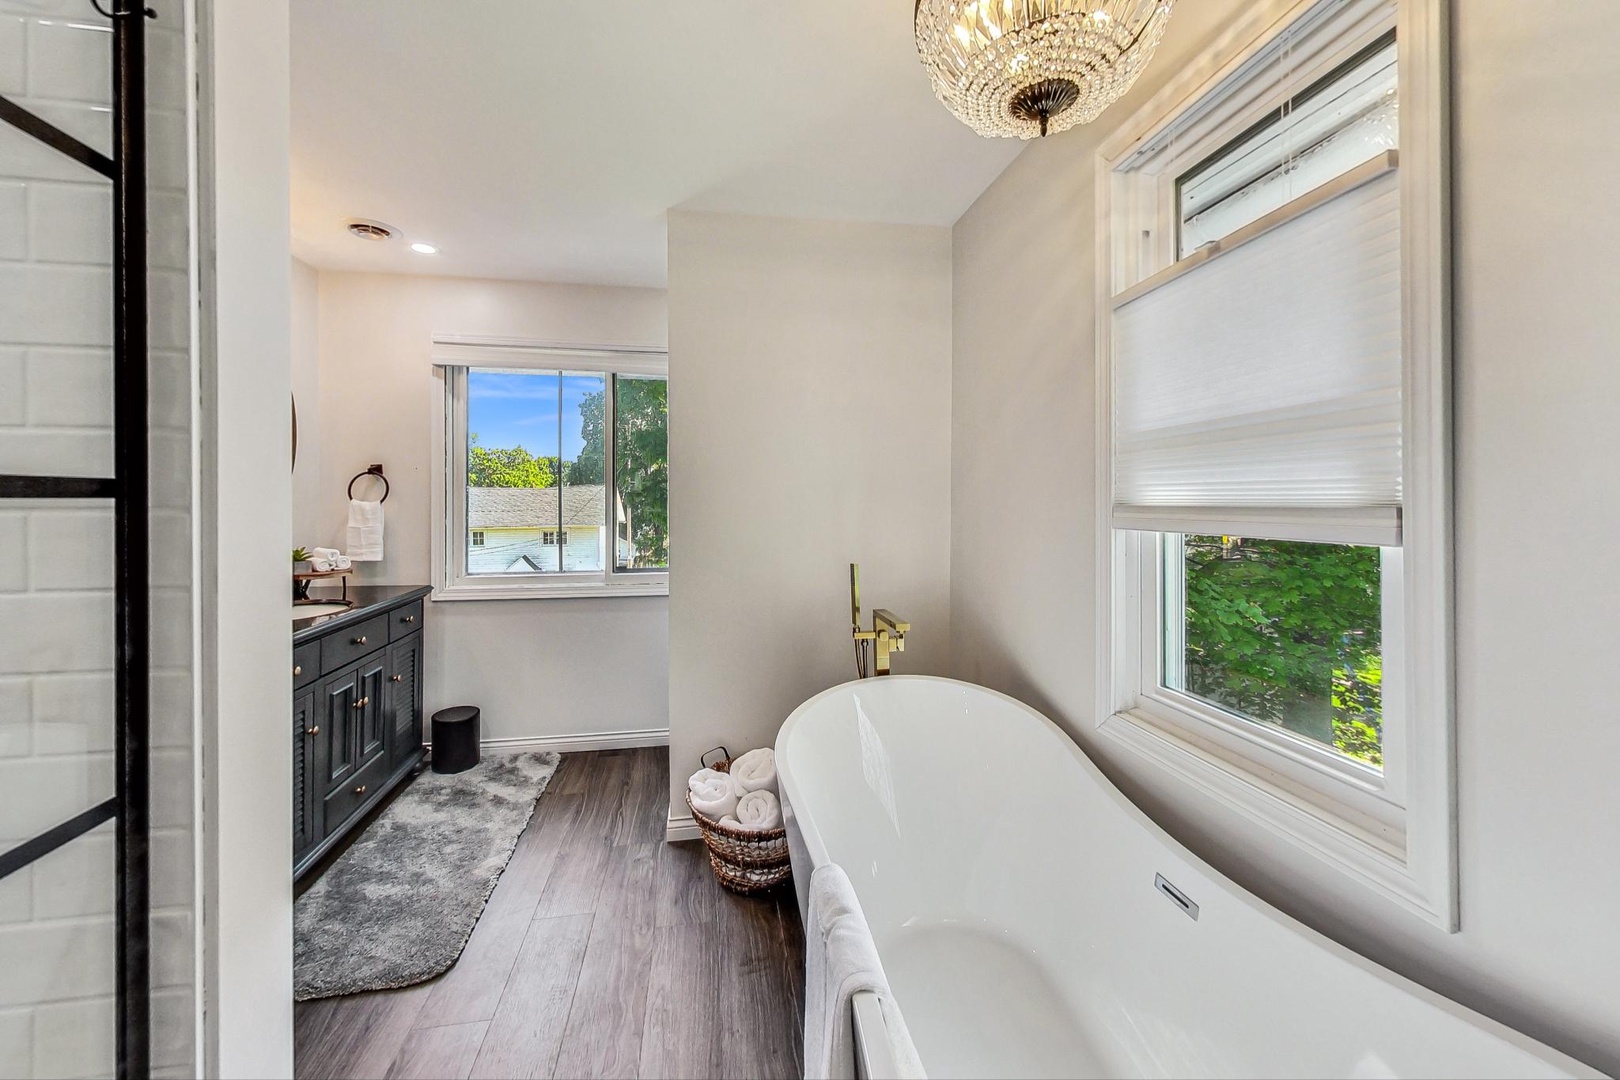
(522,409)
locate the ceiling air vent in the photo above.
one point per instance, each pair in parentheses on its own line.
(370,230)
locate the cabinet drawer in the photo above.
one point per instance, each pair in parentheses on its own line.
(405,620)
(352,642)
(354,793)
(306,663)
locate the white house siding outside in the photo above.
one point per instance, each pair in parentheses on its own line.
(513,525)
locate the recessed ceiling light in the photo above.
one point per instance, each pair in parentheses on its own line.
(424,249)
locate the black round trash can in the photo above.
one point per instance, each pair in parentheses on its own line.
(455,739)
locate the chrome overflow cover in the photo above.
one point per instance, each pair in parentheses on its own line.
(1177,897)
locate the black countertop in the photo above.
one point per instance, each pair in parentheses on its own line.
(368,601)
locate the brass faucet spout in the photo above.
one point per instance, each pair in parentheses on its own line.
(883,618)
(887,636)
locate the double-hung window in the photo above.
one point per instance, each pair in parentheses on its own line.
(555,471)
(1274,439)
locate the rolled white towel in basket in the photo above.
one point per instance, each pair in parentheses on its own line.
(712,794)
(755,771)
(757,811)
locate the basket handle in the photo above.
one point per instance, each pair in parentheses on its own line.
(721,764)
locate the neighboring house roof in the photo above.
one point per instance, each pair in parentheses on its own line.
(535,508)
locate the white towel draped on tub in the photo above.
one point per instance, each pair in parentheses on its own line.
(365,531)
(755,771)
(840,961)
(757,811)
(712,794)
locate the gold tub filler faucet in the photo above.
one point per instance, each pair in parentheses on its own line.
(888,633)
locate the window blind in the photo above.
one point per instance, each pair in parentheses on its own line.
(1258,393)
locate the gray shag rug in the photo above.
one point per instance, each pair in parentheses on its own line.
(398,907)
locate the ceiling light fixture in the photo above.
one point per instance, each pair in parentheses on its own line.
(1027,68)
(424,249)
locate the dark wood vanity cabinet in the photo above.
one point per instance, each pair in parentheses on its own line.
(357,725)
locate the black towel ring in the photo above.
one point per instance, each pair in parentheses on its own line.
(373,470)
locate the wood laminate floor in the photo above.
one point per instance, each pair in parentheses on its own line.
(604,951)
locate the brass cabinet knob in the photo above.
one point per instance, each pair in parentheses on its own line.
(362,703)
(408,618)
(316,730)
(298,669)
(361,640)
(396,678)
(361,790)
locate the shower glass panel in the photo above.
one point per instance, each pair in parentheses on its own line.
(58,1000)
(58,895)
(75,497)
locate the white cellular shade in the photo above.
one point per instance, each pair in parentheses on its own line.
(1262,388)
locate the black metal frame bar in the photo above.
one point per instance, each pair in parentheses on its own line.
(129,490)
(54,137)
(57,487)
(48,841)
(132,543)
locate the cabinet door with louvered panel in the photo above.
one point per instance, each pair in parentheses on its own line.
(405,699)
(305,731)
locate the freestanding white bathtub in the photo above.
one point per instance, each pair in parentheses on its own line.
(1012,893)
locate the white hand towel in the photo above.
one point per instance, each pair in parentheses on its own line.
(365,531)
(711,794)
(321,564)
(841,959)
(755,771)
(341,562)
(758,811)
(329,554)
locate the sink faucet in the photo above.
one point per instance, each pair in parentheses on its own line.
(888,633)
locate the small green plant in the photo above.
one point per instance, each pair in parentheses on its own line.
(300,555)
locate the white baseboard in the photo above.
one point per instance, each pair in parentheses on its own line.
(573,744)
(680,827)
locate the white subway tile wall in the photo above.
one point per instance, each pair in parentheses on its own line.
(56,558)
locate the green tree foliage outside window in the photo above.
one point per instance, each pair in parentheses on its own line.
(508,467)
(641,459)
(1289,634)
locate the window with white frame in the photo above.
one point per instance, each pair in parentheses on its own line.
(555,471)
(1274,435)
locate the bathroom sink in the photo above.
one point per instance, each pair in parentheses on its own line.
(316,610)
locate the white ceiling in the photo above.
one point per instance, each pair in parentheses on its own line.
(544,139)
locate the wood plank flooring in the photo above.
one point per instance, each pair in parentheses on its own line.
(603,952)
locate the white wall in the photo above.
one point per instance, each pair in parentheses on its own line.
(307,476)
(810,395)
(537,668)
(247,508)
(1536,336)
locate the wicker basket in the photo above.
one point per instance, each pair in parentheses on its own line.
(746,861)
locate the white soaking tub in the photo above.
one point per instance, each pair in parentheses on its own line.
(1012,893)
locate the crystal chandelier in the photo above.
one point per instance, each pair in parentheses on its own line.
(1029,67)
